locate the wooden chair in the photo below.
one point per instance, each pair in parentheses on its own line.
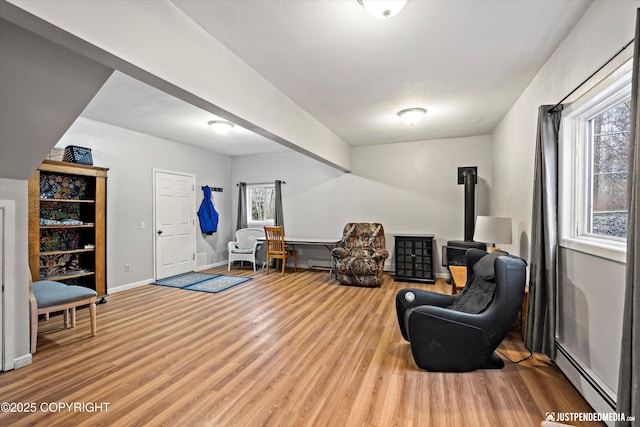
(277,249)
(47,296)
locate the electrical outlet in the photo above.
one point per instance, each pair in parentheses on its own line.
(142,225)
(127,267)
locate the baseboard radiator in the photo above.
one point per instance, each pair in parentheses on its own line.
(593,390)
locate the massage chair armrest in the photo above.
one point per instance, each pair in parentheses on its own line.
(445,340)
(455,319)
(420,297)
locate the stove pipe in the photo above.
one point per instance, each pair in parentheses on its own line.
(469,176)
(454,252)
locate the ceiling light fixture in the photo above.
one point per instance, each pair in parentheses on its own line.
(382,9)
(411,116)
(221,127)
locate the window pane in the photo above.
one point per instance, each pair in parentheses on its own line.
(261,203)
(610,147)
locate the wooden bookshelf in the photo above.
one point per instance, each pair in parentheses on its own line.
(67,224)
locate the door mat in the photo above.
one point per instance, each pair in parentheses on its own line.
(186,279)
(213,283)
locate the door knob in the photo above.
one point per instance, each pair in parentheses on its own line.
(159,232)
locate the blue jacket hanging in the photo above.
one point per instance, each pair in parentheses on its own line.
(207,213)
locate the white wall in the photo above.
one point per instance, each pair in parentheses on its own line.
(589,327)
(131,158)
(16,333)
(408,187)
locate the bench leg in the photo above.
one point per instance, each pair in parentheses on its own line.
(92,309)
(73,317)
(34,324)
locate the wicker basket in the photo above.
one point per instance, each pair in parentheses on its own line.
(75,154)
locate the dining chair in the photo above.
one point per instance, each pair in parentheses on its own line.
(277,249)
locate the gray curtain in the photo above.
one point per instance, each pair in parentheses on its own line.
(541,310)
(279,214)
(242,206)
(628,399)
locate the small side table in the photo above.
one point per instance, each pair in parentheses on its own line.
(458,277)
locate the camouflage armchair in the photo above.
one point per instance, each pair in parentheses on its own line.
(360,255)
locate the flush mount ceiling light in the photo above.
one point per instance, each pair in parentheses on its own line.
(221,127)
(411,116)
(382,9)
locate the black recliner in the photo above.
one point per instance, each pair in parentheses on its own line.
(447,339)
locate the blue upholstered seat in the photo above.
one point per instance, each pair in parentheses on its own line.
(47,296)
(49,293)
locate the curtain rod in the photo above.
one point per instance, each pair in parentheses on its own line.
(260,183)
(592,74)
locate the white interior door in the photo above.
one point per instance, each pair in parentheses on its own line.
(174,221)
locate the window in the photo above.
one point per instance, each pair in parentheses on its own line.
(261,204)
(594,152)
(609,145)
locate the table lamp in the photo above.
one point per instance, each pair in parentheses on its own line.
(492,230)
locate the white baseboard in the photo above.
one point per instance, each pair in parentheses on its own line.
(22,361)
(208,266)
(127,286)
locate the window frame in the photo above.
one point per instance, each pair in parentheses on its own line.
(250,221)
(575,167)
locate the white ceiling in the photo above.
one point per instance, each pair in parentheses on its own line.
(465,61)
(126,102)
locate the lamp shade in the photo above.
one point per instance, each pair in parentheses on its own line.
(493,229)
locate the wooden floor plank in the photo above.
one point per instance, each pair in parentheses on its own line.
(294,351)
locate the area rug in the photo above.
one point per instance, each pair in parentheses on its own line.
(218,284)
(202,282)
(186,279)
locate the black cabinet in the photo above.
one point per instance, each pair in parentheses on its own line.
(414,258)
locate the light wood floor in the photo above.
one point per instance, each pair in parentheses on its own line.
(294,351)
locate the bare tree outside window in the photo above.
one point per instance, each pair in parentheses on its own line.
(607,209)
(261,203)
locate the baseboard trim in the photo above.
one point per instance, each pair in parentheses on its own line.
(593,390)
(22,361)
(208,266)
(128,286)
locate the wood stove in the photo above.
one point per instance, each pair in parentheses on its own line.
(454,252)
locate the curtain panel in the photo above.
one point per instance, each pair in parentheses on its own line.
(541,319)
(628,397)
(279,213)
(242,206)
